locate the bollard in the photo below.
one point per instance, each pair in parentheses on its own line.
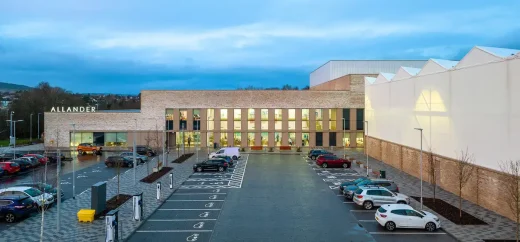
(158,190)
(171,180)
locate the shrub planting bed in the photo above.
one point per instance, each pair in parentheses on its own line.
(114,203)
(257,147)
(183,158)
(156,175)
(450,212)
(285,147)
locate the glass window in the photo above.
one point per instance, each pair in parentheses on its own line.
(399,212)
(196,119)
(278,114)
(110,139)
(305,114)
(211,125)
(292,139)
(251,125)
(386,193)
(319,114)
(251,139)
(264,114)
(211,114)
(305,139)
(277,139)
(183,117)
(359,139)
(319,125)
(99,138)
(278,125)
(189,141)
(265,138)
(292,125)
(75,139)
(305,125)
(346,139)
(346,119)
(210,139)
(360,118)
(169,119)
(332,119)
(223,114)
(374,192)
(264,125)
(121,139)
(196,138)
(237,125)
(237,114)
(223,125)
(237,139)
(251,114)
(292,114)
(223,140)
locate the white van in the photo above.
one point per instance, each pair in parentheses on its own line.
(229,151)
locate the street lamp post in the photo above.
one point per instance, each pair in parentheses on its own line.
(420,129)
(11,126)
(14,135)
(30,127)
(38,126)
(366,146)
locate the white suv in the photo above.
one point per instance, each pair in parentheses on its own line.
(394,216)
(370,196)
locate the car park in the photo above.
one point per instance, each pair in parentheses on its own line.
(84,148)
(394,216)
(43,187)
(13,208)
(9,167)
(145,150)
(348,191)
(33,161)
(131,154)
(227,158)
(24,164)
(42,159)
(232,152)
(211,164)
(370,196)
(329,160)
(313,154)
(41,199)
(348,183)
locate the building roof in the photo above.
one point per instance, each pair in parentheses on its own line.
(387,75)
(446,64)
(500,52)
(411,70)
(370,80)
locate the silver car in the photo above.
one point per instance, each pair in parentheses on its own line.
(370,196)
(144,158)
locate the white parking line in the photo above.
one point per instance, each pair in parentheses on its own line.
(368,221)
(173,220)
(194,200)
(174,231)
(363,211)
(188,209)
(199,193)
(411,233)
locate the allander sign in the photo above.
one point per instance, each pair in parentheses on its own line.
(73,109)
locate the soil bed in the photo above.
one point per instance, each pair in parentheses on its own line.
(114,203)
(450,212)
(156,175)
(183,158)
(499,240)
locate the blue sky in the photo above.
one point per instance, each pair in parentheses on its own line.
(124,46)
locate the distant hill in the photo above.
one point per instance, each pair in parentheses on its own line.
(9,87)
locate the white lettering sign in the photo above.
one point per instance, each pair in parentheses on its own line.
(73,109)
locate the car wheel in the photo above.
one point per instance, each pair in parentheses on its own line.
(401,202)
(235,157)
(390,226)
(84,153)
(324,165)
(368,205)
(313,157)
(221,169)
(109,164)
(430,227)
(10,218)
(199,169)
(345,165)
(348,196)
(80,152)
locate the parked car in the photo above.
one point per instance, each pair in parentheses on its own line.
(33,161)
(370,196)
(227,158)
(25,165)
(83,148)
(145,150)
(131,154)
(41,199)
(392,216)
(348,191)
(332,161)
(211,164)
(232,152)
(313,154)
(348,183)
(114,161)
(9,167)
(53,157)
(43,187)
(9,156)
(13,208)
(42,159)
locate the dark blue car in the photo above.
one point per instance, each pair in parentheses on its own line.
(13,208)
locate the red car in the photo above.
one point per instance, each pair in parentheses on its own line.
(332,161)
(42,159)
(10,167)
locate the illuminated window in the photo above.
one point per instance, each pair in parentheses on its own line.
(223,140)
(169,119)
(264,114)
(211,118)
(332,119)
(292,139)
(237,114)
(278,115)
(196,119)
(223,114)
(346,139)
(319,118)
(292,114)
(278,125)
(305,119)
(360,139)
(210,139)
(237,125)
(251,125)
(292,125)
(211,125)
(251,114)
(265,139)
(183,117)
(305,139)
(277,139)
(237,139)
(223,125)
(251,139)
(264,125)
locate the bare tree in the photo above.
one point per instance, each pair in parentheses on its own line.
(432,173)
(464,168)
(511,189)
(157,142)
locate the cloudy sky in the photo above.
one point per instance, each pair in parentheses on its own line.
(124,46)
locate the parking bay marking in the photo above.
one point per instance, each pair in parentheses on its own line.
(410,233)
(188,209)
(195,201)
(178,220)
(202,193)
(174,231)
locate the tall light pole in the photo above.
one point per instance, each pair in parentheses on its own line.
(30,127)
(366,146)
(73,168)
(39,125)
(343,138)
(420,129)
(11,127)
(14,135)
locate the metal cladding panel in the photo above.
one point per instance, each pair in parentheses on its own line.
(341,68)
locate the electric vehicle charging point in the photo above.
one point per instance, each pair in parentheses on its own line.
(171,180)
(158,190)
(138,206)
(111,223)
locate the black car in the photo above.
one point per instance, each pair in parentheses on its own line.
(53,157)
(313,154)
(211,164)
(114,161)
(145,150)
(24,164)
(227,158)
(47,188)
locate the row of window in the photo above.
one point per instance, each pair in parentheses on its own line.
(99,138)
(237,119)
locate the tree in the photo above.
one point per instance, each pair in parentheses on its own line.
(432,165)
(464,168)
(306,88)
(511,189)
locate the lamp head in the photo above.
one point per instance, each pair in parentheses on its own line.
(418,129)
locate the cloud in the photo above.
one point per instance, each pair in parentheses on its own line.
(442,52)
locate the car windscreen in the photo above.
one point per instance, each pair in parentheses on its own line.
(359,191)
(382,210)
(33,192)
